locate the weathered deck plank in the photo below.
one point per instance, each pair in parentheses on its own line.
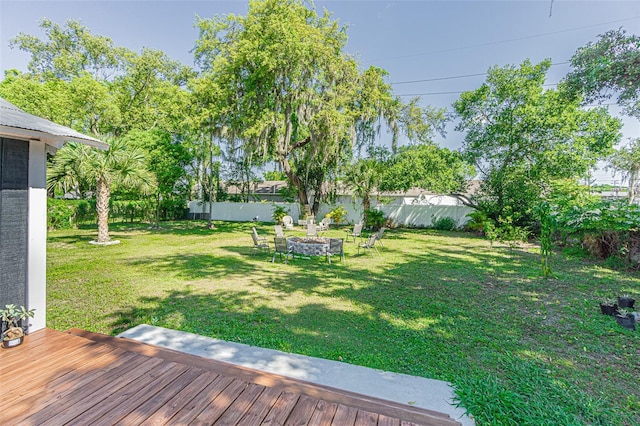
(84,378)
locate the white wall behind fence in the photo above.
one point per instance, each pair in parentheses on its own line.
(405,215)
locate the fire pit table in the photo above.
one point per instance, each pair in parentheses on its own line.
(309,246)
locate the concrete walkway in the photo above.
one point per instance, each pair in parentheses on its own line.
(417,391)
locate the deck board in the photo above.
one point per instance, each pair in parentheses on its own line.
(83,378)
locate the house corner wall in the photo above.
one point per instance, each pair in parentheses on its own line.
(37,235)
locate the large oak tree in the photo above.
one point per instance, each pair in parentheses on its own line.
(291,94)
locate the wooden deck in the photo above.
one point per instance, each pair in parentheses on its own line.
(57,378)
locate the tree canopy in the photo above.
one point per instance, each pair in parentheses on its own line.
(521,136)
(608,67)
(290,92)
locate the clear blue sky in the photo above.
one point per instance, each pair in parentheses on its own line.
(413,40)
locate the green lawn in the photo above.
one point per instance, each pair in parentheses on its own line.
(520,349)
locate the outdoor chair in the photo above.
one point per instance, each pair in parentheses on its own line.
(259,243)
(280,247)
(336,248)
(379,236)
(279,231)
(324,224)
(312,230)
(287,221)
(357,231)
(370,244)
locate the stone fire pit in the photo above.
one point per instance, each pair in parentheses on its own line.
(309,246)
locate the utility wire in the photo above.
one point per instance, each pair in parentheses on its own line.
(456,76)
(456,92)
(492,43)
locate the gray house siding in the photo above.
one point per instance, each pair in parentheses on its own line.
(14,205)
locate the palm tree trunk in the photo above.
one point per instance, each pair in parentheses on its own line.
(366,206)
(633,176)
(103,193)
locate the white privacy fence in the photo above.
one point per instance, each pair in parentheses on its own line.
(418,215)
(240,212)
(403,215)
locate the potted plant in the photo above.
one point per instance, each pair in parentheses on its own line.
(626,301)
(12,325)
(608,306)
(626,319)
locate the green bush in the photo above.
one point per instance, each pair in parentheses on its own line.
(445,224)
(67,214)
(477,221)
(606,228)
(278,213)
(374,219)
(337,215)
(61,214)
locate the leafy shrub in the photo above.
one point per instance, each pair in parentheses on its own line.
(374,219)
(86,211)
(512,235)
(477,221)
(278,213)
(173,209)
(505,232)
(606,228)
(61,214)
(445,224)
(338,215)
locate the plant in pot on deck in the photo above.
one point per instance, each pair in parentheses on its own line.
(12,325)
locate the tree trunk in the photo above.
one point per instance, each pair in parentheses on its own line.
(213,170)
(103,194)
(295,180)
(633,176)
(366,201)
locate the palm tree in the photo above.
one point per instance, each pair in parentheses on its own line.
(363,178)
(77,166)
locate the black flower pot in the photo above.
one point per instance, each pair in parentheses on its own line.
(626,302)
(628,321)
(609,309)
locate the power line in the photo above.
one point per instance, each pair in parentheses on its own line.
(509,40)
(456,76)
(455,92)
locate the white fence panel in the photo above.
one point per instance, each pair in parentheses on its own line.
(404,215)
(419,215)
(241,212)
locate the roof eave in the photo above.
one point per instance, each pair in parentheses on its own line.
(55,141)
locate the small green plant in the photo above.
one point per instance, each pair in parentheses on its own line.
(374,219)
(490,231)
(278,213)
(11,316)
(477,221)
(445,224)
(511,234)
(338,215)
